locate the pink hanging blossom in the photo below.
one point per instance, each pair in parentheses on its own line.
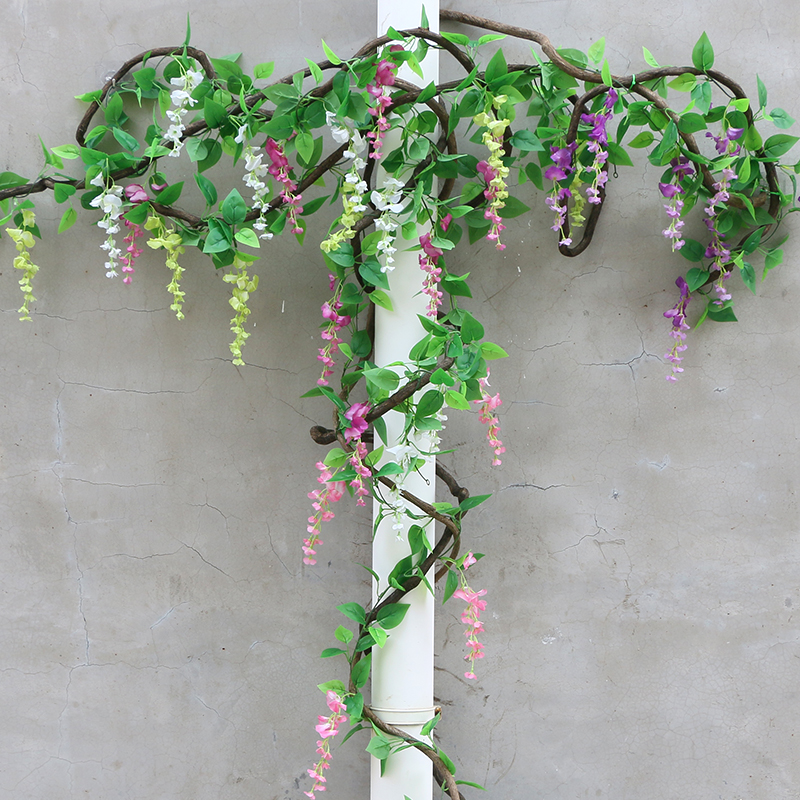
(327,728)
(356,460)
(428,261)
(331,492)
(336,321)
(356,416)
(679,327)
(279,169)
(384,78)
(487,416)
(471,618)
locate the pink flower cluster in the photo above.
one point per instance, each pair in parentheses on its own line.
(679,327)
(492,194)
(336,321)
(488,417)
(428,261)
(327,728)
(279,169)
(384,78)
(471,618)
(331,492)
(136,194)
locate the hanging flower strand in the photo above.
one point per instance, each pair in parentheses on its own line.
(557,201)
(331,492)
(279,169)
(327,728)
(493,170)
(356,416)
(598,138)
(182,101)
(471,616)
(378,89)
(679,327)
(336,321)
(24,242)
(487,416)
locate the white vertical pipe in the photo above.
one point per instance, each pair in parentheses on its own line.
(402,672)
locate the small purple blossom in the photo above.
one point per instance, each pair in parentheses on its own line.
(677,314)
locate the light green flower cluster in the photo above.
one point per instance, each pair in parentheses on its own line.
(23,240)
(173,244)
(494,171)
(242,285)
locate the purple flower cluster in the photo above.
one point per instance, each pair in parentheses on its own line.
(724,144)
(716,249)
(679,327)
(681,168)
(557,201)
(598,137)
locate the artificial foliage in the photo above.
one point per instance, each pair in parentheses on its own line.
(384,158)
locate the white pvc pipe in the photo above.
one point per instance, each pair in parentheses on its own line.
(402,672)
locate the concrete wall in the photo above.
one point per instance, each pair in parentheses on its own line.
(160,634)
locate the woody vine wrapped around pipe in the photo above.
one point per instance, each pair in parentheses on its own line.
(559,123)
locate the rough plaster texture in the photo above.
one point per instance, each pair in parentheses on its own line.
(160,635)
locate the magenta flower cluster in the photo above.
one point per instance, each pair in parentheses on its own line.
(679,327)
(327,728)
(279,169)
(378,89)
(428,262)
(681,168)
(331,492)
(336,321)
(487,416)
(598,138)
(136,194)
(356,416)
(471,617)
(494,193)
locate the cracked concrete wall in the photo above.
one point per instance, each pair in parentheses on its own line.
(160,635)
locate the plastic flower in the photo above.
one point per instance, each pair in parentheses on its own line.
(356,416)
(681,168)
(493,170)
(598,137)
(471,617)
(428,262)
(331,492)
(280,170)
(488,405)
(24,242)
(327,728)
(336,321)
(109,201)
(679,327)
(378,90)
(182,101)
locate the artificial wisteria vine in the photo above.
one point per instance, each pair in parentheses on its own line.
(547,121)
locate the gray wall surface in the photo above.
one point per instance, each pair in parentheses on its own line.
(160,635)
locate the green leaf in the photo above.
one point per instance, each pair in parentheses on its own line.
(490,351)
(379,746)
(691,123)
(473,502)
(471,329)
(380,298)
(617,155)
(692,250)
(138,214)
(360,673)
(353,611)
(649,58)
(470,783)
(597,50)
(207,187)
(214,113)
(703,54)
(67,151)
(63,191)
(779,118)
(125,139)
(762,93)
(383,378)
(752,241)
(378,634)
(168,196)
(684,82)
(718,314)
(605,73)
(778,145)
(490,37)
(450,585)
(526,141)
(447,762)
(390,616)
(643,139)
(702,96)
(68,219)
(263,70)
(90,97)
(695,278)
(456,400)
(343,634)
(748,276)
(773,259)
(513,208)
(247,237)
(440,377)
(316,72)
(355,707)
(305,145)
(234,209)
(332,57)
(330,652)
(332,686)
(496,68)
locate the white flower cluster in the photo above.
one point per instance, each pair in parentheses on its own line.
(182,101)
(388,201)
(109,201)
(254,179)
